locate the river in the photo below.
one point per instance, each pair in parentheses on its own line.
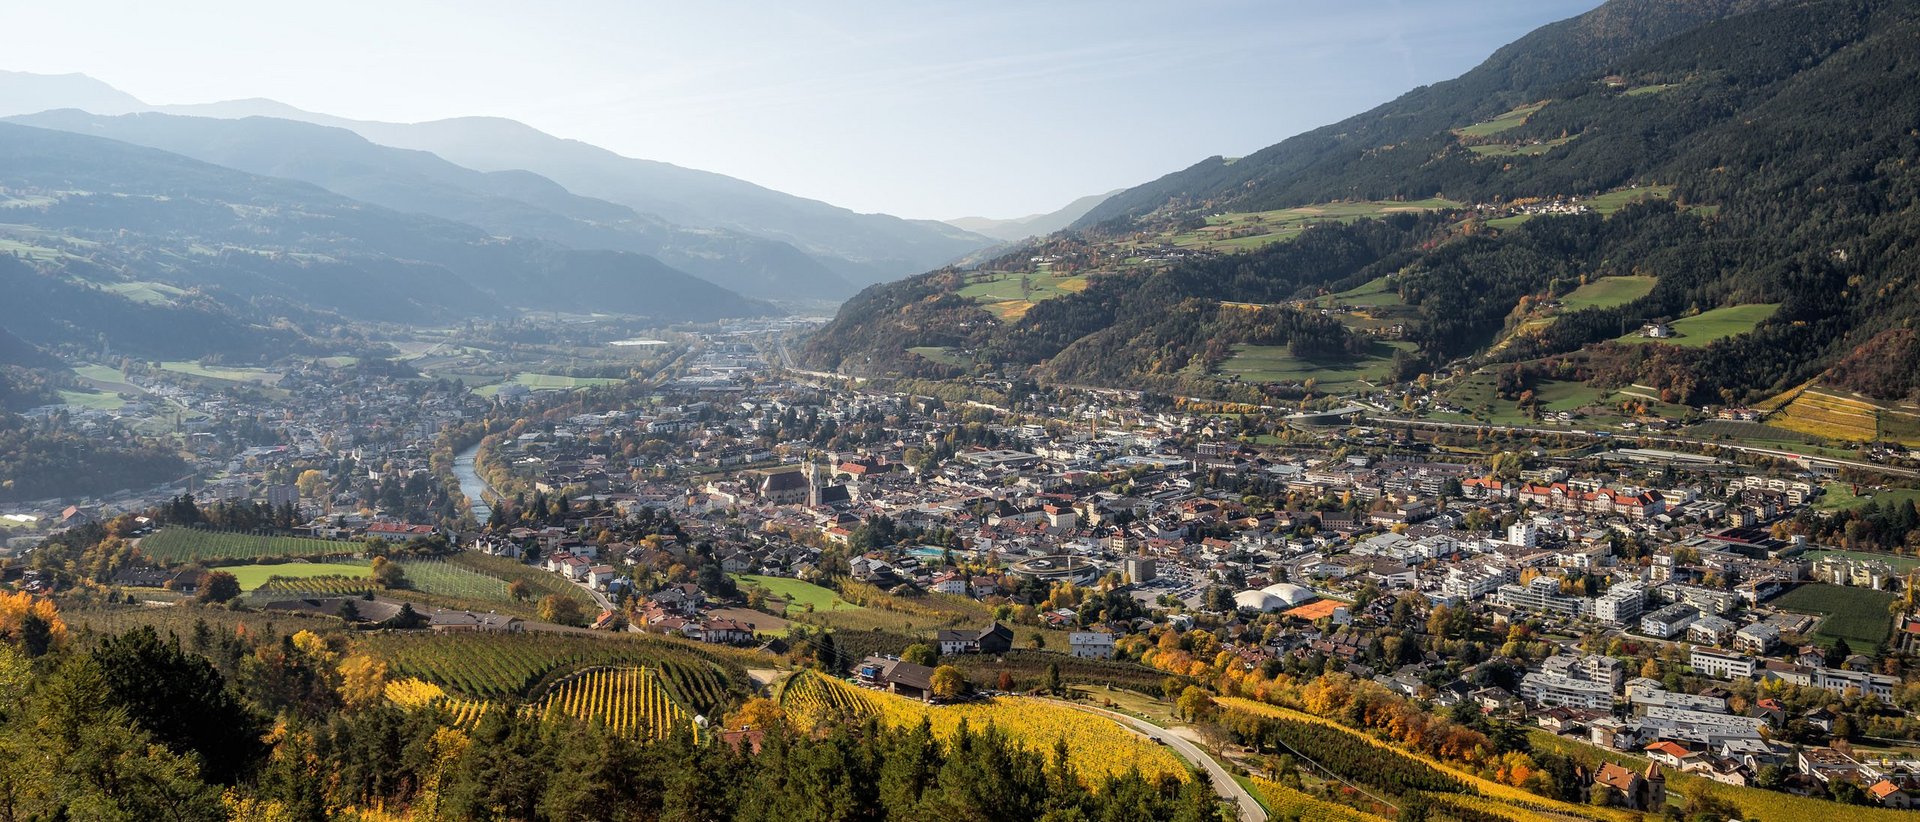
(472,485)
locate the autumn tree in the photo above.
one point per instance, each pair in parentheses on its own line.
(948,682)
(218,586)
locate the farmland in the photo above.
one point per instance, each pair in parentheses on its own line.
(1833,415)
(1858,615)
(545,382)
(175,546)
(1010,295)
(630,701)
(1708,326)
(1608,292)
(1097,747)
(443,578)
(194,369)
(1274,363)
(1512,119)
(1840,497)
(1244,231)
(508,570)
(254,576)
(521,665)
(801,597)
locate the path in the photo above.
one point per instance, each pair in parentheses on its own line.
(1223,784)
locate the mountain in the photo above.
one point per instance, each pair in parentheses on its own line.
(506,203)
(1747,172)
(1032,225)
(862,248)
(125,244)
(24,93)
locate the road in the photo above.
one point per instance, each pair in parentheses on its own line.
(1223,784)
(1626,440)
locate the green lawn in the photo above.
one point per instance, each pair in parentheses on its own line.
(99,400)
(1718,324)
(1840,497)
(1898,562)
(1652,89)
(145,292)
(1614,200)
(254,576)
(1380,291)
(545,382)
(1010,294)
(1608,292)
(1263,228)
(1857,614)
(1511,120)
(799,594)
(942,354)
(1523,150)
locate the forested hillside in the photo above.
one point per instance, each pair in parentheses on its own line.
(1765,161)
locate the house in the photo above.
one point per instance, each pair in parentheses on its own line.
(993,639)
(400,531)
(1091,644)
(1656,331)
(896,677)
(1631,790)
(949,584)
(1890,795)
(1672,754)
(450,622)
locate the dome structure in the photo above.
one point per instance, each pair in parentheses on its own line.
(1258,601)
(1290,593)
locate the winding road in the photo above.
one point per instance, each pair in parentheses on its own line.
(1223,784)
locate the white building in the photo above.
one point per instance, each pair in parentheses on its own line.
(1091,644)
(1716,663)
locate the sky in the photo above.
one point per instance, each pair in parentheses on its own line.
(920,109)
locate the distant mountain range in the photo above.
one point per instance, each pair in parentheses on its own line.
(755,240)
(1745,169)
(1032,225)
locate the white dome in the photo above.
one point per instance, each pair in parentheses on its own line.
(1258,601)
(1289,593)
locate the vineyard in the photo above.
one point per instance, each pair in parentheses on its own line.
(1827,415)
(1338,741)
(1096,746)
(1288,803)
(631,701)
(508,570)
(443,578)
(486,666)
(298,587)
(178,546)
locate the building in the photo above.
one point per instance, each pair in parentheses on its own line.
(993,639)
(1721,664)
(1633,791)
(1758,638)
(1091,644)
(1878,686)
(1139,569)
(1669,621)
(1523,534)
(1621,604)
(1542,593)
(1575,682)
(896,677)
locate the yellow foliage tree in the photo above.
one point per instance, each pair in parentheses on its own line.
(363,681)
(34,623)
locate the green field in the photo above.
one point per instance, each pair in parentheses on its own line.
(149,293)
(253,576)
(1652,89)
(1718,324)
(254,375)
(1010,295)
(545,382)
(1511,120)
(1608,292)
(442,578)
(1376,292)
(1840,497)
(799,594)
(1898,562)
(1857,614)
(1522,150)
(174,546)
(1616,199)
(1273,363)
(942,354)
(1263,228)
(99,400)
(508,570)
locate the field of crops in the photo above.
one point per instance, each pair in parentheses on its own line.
(300,587)
(1028,668)
(254,575)
(442,578)
(1826,415)
(177,546)
(631,701)
(496,666)
(1858,615)
(1286,803)
(502,568)
(1097,747)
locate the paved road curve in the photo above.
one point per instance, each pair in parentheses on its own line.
(1250,810)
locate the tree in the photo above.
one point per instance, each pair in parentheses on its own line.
(388,574)
(1053,679)
(948,682)
(757,712)
(1005,683)
(561,610)
(310,483)
(519,590)
(182,700)
(1841,650)
(920,654)
(218,586)
(363,681)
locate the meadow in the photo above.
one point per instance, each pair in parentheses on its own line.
(1858,615)
(1512,119)
(1608,292)
(1243,231)
(799,595)
(1010,295)
(1274,363)
(1840,496)
(545,382)
(254,576)
(1708,326)
(230,374)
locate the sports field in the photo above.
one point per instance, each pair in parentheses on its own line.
(1858,615)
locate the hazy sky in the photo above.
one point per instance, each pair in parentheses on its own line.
(922,109)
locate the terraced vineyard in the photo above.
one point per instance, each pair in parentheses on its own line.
(1097,747)
(178,546)
(1830,416)
(443,578)
(508,570)
(631,701)
(495,666)
(1288,803)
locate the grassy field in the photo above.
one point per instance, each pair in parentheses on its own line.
(146,292)
(1898,562)
(1612,201)
(1608,292)
(1242,231)
(254,576)
(508,570)
(194,369)
(1857,614)
(799,594)
(98,400)
(1718,324)
(545,382)
(1378,292)
(942,354)
(1010,295)
(1840,497)
(1273,363)
(1513,119)
(1656,88)
(173,546)
(1522,150)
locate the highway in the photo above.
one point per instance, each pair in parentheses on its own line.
(1223,784)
